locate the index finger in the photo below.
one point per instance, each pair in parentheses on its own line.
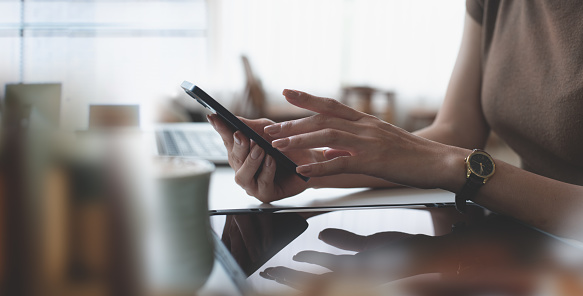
(225,130)
(350,241)
(327,260)
(321,105)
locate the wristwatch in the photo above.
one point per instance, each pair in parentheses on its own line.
(479,168)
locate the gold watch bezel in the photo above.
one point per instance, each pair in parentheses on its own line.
(470,170)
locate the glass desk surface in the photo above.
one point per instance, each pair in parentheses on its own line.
(380,251)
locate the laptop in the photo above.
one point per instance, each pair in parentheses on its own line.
(197,139)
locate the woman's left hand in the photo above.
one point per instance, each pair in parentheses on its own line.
(364,144)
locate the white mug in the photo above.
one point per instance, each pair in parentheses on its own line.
(179,248)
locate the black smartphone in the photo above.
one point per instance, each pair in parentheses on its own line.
(208,102)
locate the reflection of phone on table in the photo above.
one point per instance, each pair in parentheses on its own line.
(206,100)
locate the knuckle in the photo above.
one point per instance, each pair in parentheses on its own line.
(320,119)
(235,160)
(331,104)
(239,180)
(286,126)
(296,141)
(263,183)
(369,118)
(330,134)
(264,121)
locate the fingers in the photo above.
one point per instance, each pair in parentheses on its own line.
(310,124)
(342,239)
(346,240)
(254,170)
(237,144)
(240,150)
(266,179)
(223,129)
(290,277)
(330,261)
(321,105)
(245,175)
(256,124)
(333,153)
(338,165)
(322,138)
(328,283)
(257,172)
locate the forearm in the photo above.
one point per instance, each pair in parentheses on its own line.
(545,203)
(446,133)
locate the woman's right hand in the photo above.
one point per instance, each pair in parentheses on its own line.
(254,170)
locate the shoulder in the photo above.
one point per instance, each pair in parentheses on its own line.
(475,9)
(483,10)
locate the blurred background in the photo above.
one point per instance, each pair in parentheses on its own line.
(66,195)
(138,52)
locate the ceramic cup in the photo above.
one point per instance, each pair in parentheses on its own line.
(180,247)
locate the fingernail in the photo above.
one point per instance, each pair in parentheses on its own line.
(265,275)
(210,120)
(272,129)
(292,94)
(236,138)
(304,169)
(256,152)
(268,161)
(280,143)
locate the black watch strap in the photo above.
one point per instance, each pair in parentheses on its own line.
(473,183)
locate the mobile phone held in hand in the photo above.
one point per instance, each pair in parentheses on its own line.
(208,102)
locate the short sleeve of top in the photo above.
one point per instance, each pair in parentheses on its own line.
(475,9)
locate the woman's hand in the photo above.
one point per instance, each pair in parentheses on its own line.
(364,144)
(254,170)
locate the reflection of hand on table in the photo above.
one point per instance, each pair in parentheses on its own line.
(495,258)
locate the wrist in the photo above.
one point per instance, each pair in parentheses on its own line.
(454,173)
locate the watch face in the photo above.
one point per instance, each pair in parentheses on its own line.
(481,165)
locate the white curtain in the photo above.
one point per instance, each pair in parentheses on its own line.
(408,46)
(137,51)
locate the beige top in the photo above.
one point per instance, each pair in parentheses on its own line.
(532,81)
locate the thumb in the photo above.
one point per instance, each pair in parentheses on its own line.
(333,153)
